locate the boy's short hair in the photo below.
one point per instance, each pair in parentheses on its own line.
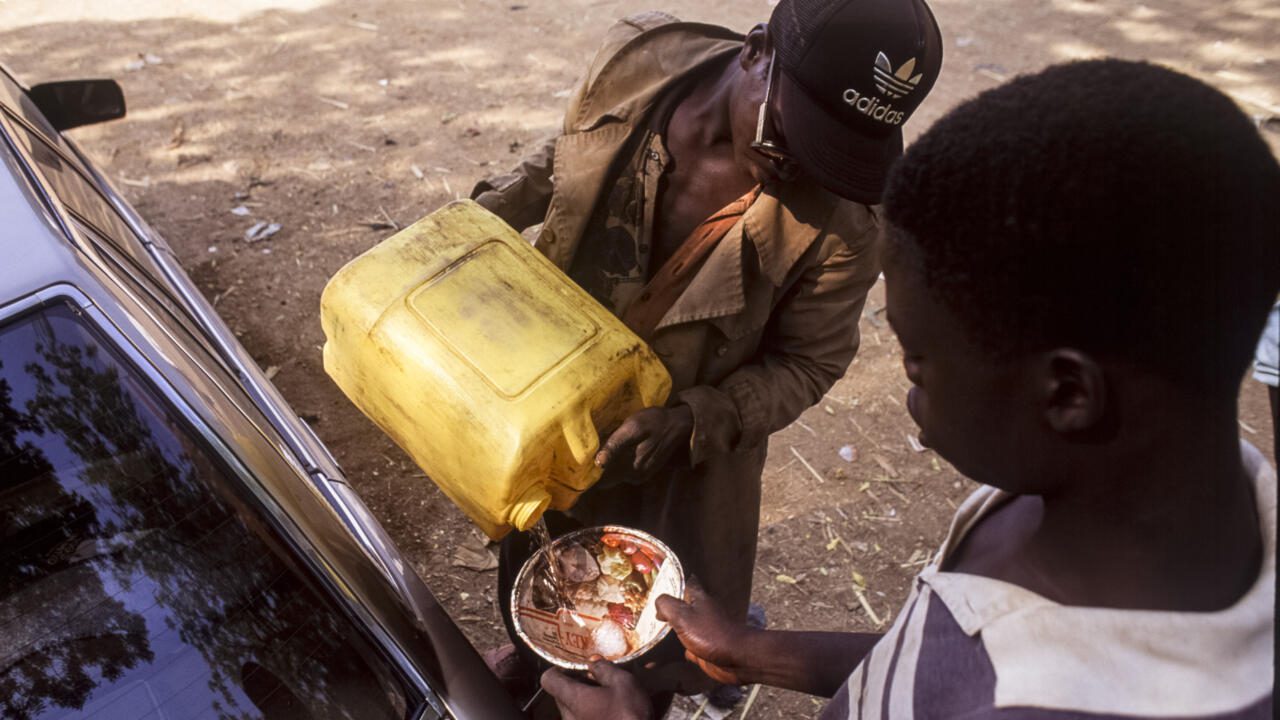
(1117,207)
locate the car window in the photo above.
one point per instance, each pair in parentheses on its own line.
(138,578)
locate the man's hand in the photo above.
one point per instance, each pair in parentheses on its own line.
(616,697)
(712,641)
(655,433)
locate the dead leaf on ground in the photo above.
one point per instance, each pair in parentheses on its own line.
(473,555)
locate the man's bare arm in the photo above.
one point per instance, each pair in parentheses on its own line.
(812,662)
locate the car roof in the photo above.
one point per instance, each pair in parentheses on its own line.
(40,251)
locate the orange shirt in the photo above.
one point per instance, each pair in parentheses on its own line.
(671,280)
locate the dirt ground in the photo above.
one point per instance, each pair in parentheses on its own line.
(345,120)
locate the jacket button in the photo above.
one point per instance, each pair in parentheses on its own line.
(722,350)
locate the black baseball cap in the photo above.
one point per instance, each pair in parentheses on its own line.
(850,74)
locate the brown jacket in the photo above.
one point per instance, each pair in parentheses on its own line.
(767,325)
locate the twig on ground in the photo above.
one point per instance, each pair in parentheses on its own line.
(864,434)
(891,470)
(751,699)
(806,464)
(394,225)
(223,295)
(862,598)
(901,495)
(336,103)
(701,708)
(891,481)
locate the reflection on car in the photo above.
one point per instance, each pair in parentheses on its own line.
(176,543)
(118,514)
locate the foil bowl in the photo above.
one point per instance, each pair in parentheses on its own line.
(565,642)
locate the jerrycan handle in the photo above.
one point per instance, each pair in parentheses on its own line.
(582,439)
(528,509)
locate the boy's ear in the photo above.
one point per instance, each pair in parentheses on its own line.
(755,47)
(1075,392)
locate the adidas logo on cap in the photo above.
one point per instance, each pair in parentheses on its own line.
(891,83)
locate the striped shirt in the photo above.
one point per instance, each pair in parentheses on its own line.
(966,646)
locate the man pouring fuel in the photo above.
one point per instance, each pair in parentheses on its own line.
(719,194)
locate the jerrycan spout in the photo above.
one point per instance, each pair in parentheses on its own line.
(528,508)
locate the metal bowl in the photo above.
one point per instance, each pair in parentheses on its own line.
(553,637)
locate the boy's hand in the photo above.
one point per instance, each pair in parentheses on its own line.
(655,433)
(710,638)
(617,696)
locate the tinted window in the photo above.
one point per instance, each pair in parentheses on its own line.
(137,580)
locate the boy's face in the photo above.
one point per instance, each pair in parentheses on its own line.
(978,413)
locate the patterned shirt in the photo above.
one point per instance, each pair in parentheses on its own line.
(966,646)
(612,263)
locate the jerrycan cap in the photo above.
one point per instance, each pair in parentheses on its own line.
(528,508)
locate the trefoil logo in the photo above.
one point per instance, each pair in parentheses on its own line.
(895,83)
(891,83)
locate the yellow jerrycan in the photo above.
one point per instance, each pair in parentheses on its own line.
(490,367)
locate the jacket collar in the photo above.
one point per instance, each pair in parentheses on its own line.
(780,226)
(784,222)
(632,78)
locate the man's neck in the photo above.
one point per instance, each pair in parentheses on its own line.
(702,118)
(1170,524)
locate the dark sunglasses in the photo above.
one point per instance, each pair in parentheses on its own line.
(772,149)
